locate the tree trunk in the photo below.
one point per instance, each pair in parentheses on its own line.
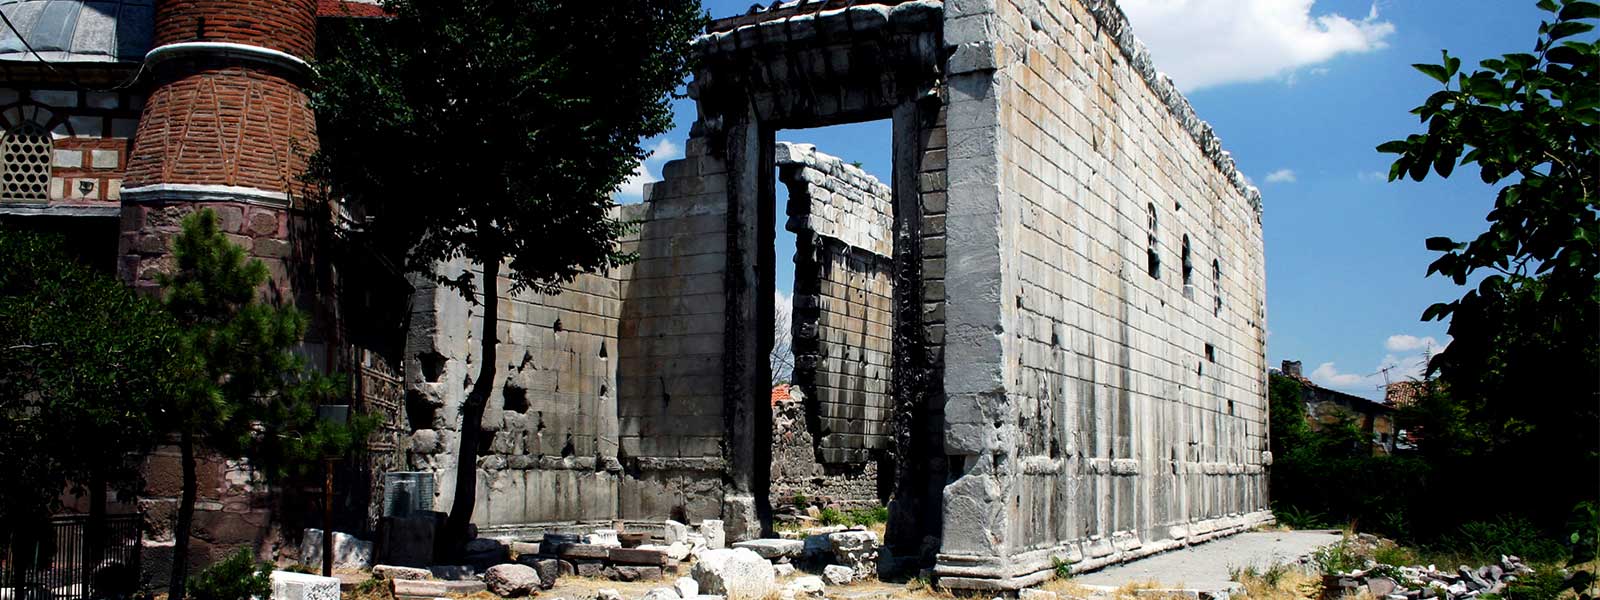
(466,494)
(180,530)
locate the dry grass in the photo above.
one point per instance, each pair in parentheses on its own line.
(1281,582)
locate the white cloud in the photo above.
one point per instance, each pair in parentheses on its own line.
(1407,359)
(1373,176)
(1205,43)
(633,189)
(1281,176)
(1410,343)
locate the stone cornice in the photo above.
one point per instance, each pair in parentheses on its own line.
(244,52)
(190,192)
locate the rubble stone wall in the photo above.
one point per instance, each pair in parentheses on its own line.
(1103,405)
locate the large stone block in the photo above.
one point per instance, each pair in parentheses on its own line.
(300,586)
(349,552)
(738,574)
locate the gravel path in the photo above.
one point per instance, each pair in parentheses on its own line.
(1206,566)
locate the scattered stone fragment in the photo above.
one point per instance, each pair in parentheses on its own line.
(397,572)
(662,593)
(452,572)
(738,574)
(511,580)
(838,574)
(807,585)
(783,570)
(1034,594)
(857,550)
(716,538)
(773,549)
(608,594)
(686,587)
(675,532)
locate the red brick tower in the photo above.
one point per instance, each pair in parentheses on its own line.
(227,126)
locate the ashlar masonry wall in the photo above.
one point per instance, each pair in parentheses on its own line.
(843,220)
(1106,384)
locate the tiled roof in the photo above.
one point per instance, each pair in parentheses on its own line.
(780,393)
(78,30)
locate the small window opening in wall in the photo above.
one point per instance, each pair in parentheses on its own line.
(1188,266)
(1152,258)
(1216,282)
(25,156)
(1211,353)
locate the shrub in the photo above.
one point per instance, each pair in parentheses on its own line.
(868,516)
(831,516)
(238,577)
(1513,535)
(1337,558)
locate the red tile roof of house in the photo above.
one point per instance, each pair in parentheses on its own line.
(780,393)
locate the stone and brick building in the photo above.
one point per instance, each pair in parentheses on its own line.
(1041,337)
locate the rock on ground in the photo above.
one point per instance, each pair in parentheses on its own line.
(686,587)
(349,552)
(838,574)
(608,594)
(394,572)
(808,584)
(738,574)
(772,549)
(511,580)
(661,593)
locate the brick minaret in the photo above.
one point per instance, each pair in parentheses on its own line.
(226,126)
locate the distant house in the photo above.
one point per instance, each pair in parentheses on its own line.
(1326,407)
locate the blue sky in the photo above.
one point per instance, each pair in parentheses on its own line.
(1300,92)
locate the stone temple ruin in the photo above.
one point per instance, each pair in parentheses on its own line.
(1040,339)
(1017,343)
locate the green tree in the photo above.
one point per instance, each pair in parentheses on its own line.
(244,392)
(1520,370)
(84,371)
(497,131)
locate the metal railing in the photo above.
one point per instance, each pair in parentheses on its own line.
(69,565)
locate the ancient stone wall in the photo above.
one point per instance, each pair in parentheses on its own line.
(1107,385)
(609,399)
(670,407)
(843,295)
(550,428)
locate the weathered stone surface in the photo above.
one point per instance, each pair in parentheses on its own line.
(857,550)
(636,556)
(436,589)
(300,586)
(397,572)
(349,552)
(511,580)
(807,585)
(590,569)
(783,570)
(1035,594)
(773,549)
(636,573)
(675,532)
(686,587)
(662,593)
(549,569)
(738,574)
(715,537)
(608,594)
(453,572)
(838,574)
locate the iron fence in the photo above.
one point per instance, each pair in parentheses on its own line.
(70,564)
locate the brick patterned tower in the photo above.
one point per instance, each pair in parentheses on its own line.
(227,126)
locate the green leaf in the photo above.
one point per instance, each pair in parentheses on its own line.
(1441,244)
(1548,5)
(1439,73)
(1451,64)
(1569,29)
(1393,147)
(1579,10)
(1437,312)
